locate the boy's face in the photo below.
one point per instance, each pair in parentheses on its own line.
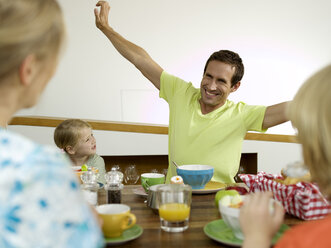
(86,144)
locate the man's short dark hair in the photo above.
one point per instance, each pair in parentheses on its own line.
(230,58)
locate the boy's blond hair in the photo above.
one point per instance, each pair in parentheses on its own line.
(67,132)
(310,113)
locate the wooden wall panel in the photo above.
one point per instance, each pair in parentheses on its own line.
(144,164)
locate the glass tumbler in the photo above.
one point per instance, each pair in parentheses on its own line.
(174,202)
(131,175)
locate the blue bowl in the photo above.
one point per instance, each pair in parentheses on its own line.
(196,175)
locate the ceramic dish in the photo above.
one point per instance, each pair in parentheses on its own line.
(218,231)
(196,175)
(128,235)
(211,187)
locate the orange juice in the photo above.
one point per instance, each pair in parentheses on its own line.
(174,211)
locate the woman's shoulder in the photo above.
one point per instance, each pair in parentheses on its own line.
(22,151)
(10,141)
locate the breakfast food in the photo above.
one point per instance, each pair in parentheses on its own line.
(232,201)
(227,194)
(176,180)
(294,173)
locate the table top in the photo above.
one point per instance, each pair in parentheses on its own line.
(203,211)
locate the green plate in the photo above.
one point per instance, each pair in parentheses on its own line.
(129,234)
(219,231)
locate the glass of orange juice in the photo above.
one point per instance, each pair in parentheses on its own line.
(174,201)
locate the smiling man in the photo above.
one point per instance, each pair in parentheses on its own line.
(204,126)
(222,75)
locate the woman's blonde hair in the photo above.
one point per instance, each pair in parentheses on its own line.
(26,27)
(310,113)
(67,133)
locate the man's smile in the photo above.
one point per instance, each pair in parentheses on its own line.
(211,94)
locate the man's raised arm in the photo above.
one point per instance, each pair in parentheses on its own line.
(135,54)
(275,115)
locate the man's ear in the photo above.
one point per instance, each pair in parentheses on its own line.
(70,150)
(235,87)
(27,69)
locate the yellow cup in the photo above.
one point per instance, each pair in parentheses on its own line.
(116,218)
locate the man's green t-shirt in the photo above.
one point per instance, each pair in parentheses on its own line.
(212,139)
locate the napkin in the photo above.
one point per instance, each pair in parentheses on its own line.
(303,200)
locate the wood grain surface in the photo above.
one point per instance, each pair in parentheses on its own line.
(44,121)
(203,211)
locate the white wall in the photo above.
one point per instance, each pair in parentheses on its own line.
(272,156)
(281,42)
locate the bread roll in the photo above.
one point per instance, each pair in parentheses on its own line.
(295,173)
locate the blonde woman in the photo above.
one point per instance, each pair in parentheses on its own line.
(40,201)
(311,115)
(76,138)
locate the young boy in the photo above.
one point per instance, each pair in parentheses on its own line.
(75,137)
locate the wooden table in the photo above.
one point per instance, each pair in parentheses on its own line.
(203,210)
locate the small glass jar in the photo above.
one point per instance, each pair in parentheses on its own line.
(90,186)
(114,186)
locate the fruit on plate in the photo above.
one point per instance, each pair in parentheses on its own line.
(241,190)
(223,193)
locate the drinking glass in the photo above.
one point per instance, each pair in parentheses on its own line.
(131,175)
(174,202)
